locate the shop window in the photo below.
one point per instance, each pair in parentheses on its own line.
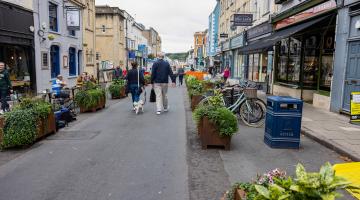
(283,49)
(250,67)
(72,62)
(311,60)
(327,63)
(53,20)
(256,67)
(293,71)
(55,61)
(18,63)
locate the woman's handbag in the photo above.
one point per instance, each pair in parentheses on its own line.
(152,96)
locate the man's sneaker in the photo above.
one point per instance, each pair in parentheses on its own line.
(166,109)
(158,112)
(1,112)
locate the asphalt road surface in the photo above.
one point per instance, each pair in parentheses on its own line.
(113,154)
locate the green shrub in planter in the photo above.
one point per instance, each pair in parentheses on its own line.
(223,118)
(41,109)
(89,98)
(19,129)
(116,86)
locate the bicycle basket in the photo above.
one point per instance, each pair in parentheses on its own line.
(250,92)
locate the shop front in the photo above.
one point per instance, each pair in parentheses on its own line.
(347,57)
(17,46)
(304,59)
(237,71)
(256,57)
(227,56)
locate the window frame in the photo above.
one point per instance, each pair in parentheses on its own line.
(56,28)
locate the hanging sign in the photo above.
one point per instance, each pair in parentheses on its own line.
(73,18)
(355,107)
(242,20)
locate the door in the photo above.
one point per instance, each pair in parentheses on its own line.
(352,76)
(55,61)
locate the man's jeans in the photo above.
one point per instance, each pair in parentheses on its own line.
(3,95)
(135,92)
(161,90)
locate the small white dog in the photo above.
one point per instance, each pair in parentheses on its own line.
(139,106)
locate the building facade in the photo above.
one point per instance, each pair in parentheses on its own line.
(346,73)
(110,37)
(199,48)
(58,41)
(89,37)
(154,41)
(17,43)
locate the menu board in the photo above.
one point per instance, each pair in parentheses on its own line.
(355,107)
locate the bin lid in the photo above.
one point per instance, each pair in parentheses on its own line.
(284,99)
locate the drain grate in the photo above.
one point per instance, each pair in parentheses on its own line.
(74,135)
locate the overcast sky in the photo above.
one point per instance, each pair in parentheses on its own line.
(175,20)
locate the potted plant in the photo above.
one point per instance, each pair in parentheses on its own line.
(90,98)
(322,185)
(117,89)
(27,122)
(196,90)
(217,124)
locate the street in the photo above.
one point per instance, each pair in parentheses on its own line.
(115,154)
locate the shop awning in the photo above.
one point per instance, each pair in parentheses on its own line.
(268,42)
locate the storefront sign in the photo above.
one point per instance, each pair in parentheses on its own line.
(242,20)
(73,18)
(355,107)
(237,41)
(226,46)
(259,30)
(314,11)
(224,35)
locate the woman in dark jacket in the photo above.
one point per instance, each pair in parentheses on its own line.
(135,81)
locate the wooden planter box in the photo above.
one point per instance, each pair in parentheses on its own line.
(209,86)
(101,104)
(239,195)
(122,94)
(200,126)
(210,136)
(46,126)
(43,127)
(195,100)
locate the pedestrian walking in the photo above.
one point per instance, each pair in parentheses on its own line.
(5,87)
(161,71)
(175,74)
(117,74)
(226,73)
(135,80)
(181,73)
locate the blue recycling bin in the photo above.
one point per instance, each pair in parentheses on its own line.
(283,122)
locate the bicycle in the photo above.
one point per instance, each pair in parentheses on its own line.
(251,110)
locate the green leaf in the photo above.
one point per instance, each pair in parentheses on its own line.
(327,174)
(263,191)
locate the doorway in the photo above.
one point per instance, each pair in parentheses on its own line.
(352,76)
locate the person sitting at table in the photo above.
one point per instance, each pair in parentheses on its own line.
(83,78)
(61,83)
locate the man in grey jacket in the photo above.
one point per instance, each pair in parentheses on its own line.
(161,71)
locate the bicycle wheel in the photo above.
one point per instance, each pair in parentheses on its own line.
(252,112)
